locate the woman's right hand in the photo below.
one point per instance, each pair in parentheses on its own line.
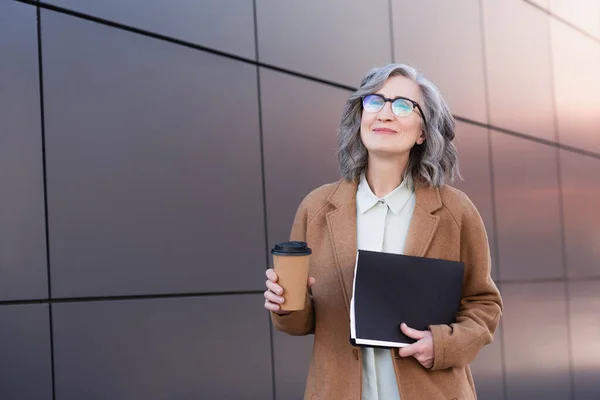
(274,293)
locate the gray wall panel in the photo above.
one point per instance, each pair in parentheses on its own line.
(292,357)
(526,190)
(153,170)
(519,68)
(585,338)
(541,3)
(25,352)
(584,14)
(536,345)
(226,25)
(163,349)
(22,227)
(300,121)
(576,62)
(581,196)
(327,39)
(474,162)
(487,370)
(449,51)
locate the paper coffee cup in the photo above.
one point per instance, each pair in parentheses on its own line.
(291,263)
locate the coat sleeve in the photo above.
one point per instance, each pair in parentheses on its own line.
(301,322)
(456,345)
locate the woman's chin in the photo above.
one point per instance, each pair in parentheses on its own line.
(387,151)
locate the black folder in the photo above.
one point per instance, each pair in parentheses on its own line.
(391,288)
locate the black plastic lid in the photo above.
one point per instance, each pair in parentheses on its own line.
(291,249)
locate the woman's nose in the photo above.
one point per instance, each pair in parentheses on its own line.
(386,113)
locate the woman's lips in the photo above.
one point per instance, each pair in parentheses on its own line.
(385,131)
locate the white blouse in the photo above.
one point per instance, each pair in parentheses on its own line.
(382,225)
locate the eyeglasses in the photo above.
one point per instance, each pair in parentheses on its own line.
(401,106)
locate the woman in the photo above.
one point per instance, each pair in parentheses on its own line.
(395,152)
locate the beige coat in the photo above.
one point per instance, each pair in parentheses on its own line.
(445,225)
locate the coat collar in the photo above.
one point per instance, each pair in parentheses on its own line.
(341,223)
(427,197)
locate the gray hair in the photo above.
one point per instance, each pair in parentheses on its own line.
(431,161)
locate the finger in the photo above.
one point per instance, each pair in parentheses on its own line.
(273,298)
(311,281)
(275,308)
(271,275)
(421,358)
(273,287)
(407,351)
(412,333)
(424,361)
(271,306)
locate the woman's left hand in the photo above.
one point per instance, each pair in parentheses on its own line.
(422,349)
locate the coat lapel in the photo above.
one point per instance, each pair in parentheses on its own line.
(420,233)
(341,223)
(423,224)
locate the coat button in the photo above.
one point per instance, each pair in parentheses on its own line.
(355,354)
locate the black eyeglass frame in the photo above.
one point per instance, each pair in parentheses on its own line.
(385,100)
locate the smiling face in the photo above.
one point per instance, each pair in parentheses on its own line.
(384,133)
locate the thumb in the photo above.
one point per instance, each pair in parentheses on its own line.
(411,333)
(311,281)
